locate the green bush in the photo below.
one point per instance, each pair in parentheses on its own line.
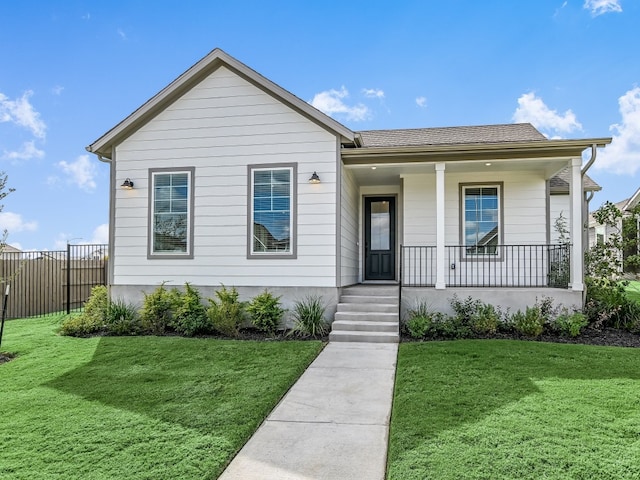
(308,317)
(92,320)
(266,312)
(530,323)
(80,326)
(227,314)
(158,310)
(122,318)
(570,324)
(465,309)
(485,320)
(190,316)
(424,323)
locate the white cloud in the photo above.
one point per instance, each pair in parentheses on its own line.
(123,35)
(21,112)
(330,102)
(14,223)
(623,155)
(421,102)
(101,234)
(82,172)
(57,90)
(533,110)
(27,152)
(373,92)
(600,7)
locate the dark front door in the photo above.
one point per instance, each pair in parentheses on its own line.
(379,238)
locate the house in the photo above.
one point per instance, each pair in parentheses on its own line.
(230,179)
(601,233)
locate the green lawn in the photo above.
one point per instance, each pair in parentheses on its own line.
(492,409)
(134,407)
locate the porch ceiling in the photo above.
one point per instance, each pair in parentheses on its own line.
(389,173)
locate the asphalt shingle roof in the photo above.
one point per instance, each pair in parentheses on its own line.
(560,182)
(514,132)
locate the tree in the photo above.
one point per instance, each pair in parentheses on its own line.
(630,243)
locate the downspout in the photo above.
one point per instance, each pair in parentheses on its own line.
(585,212)
(111,216)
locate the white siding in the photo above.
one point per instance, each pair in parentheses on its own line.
(349,226)
(523,207)
(219,127)
(558,204)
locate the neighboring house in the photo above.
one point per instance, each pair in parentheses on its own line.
(601,233)
(9,252)
(230,179)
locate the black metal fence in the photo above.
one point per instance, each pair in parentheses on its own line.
(45,282)
(501,266)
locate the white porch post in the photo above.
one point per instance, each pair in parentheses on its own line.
(440,250)
(577,260)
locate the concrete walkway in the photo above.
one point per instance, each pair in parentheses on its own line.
(332,424)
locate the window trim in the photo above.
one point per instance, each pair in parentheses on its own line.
(151,255)
(465,257)
(293,206)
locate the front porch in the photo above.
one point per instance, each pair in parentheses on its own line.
(494,266)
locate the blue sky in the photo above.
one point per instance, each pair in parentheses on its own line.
(71,70)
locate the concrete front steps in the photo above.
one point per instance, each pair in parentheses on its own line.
(367,313)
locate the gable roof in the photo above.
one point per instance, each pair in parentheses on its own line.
(478,134)
(560,182)
(103,146)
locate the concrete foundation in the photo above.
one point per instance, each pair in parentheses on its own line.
(289,295)
(506,298)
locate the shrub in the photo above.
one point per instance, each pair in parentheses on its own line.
(227,314)
(265,312)
(190,316)
(158,309)
(122,318)
(424,323)
(465,309)
(80,326)
(93,318)
(530,323)
(485,320)
(308,317)
(570,324)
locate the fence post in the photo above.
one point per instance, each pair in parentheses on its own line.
(68,278)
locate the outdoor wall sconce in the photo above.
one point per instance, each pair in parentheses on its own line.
(314,178)
(127,184)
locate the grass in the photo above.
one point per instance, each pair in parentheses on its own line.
(134,407)
(480,409)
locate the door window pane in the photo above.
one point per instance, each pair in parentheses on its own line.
(380,225)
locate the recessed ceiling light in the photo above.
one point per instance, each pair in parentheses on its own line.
(373,168)
(488,164)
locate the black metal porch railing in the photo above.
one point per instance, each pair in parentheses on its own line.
(501,266)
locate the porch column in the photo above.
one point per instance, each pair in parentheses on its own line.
(577,260)
(440,250)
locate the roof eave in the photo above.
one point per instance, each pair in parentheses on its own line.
(103,146)
(479,151)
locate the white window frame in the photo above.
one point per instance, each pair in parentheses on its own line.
(153,174)
(293,234)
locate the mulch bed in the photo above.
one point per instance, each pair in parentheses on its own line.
(604,337)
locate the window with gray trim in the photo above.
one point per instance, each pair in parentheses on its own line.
(171,216)
(272,210)
(481,219)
